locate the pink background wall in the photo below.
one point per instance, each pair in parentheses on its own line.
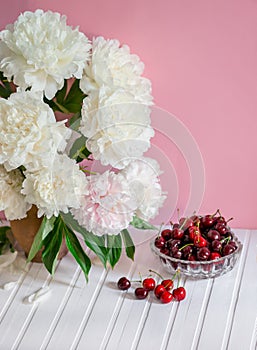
(201,57)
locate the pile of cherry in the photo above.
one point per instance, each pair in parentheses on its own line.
(197,238)
(164,291)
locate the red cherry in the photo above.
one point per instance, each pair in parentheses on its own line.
(166,234)
(214,255)
(199,242)
(159,242)
(166,297)
(221,228)
(193,232)
(179,293)
(168,284)
(149,283)
(207,221)
(159,290)
(185,223)
(177,233)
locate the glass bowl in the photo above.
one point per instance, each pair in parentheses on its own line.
(200,269)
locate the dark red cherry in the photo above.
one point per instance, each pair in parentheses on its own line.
(203,254)
(165,251)
(176,253)
(177,233)
(186,251)
(221,228)
(213,234)
(207,221)
(166,234)
(174,243)
(185,223)
(228,249)
(159,242)
(123,283)
(141,293)
(216,245)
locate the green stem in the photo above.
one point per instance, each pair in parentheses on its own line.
(62,109)
(157,273)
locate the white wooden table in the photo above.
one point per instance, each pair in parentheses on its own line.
(217,313)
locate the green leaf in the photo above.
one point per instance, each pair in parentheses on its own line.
(60,95)
(45,228)
(128,243)
(95,243)
(3,231)
(52,244)
(77,251)
(78,149)
(142,224)
(5,87)
(4,240)
(114,244)
(74,121)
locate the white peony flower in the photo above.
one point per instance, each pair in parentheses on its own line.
(114,66)
(55,188)
(29,133)
(116,127)
(11,200)
(108,208)
(143,181)
(40,50)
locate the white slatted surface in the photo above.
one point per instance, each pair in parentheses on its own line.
(217,314)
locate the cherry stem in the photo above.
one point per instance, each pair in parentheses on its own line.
(159,233)
(183,223)
(225,240)
(216,212)
(157,273)
(178,272)
(186,245)
(136,281)
(178,214)
(229,220)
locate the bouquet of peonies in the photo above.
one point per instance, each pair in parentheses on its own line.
(47,68)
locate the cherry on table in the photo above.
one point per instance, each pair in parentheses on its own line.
(166,297)
(123,283)
(141,293)
(179,293)
(149,283)
(159,289)
(168,284)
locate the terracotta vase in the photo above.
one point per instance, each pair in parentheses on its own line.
(25,230)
